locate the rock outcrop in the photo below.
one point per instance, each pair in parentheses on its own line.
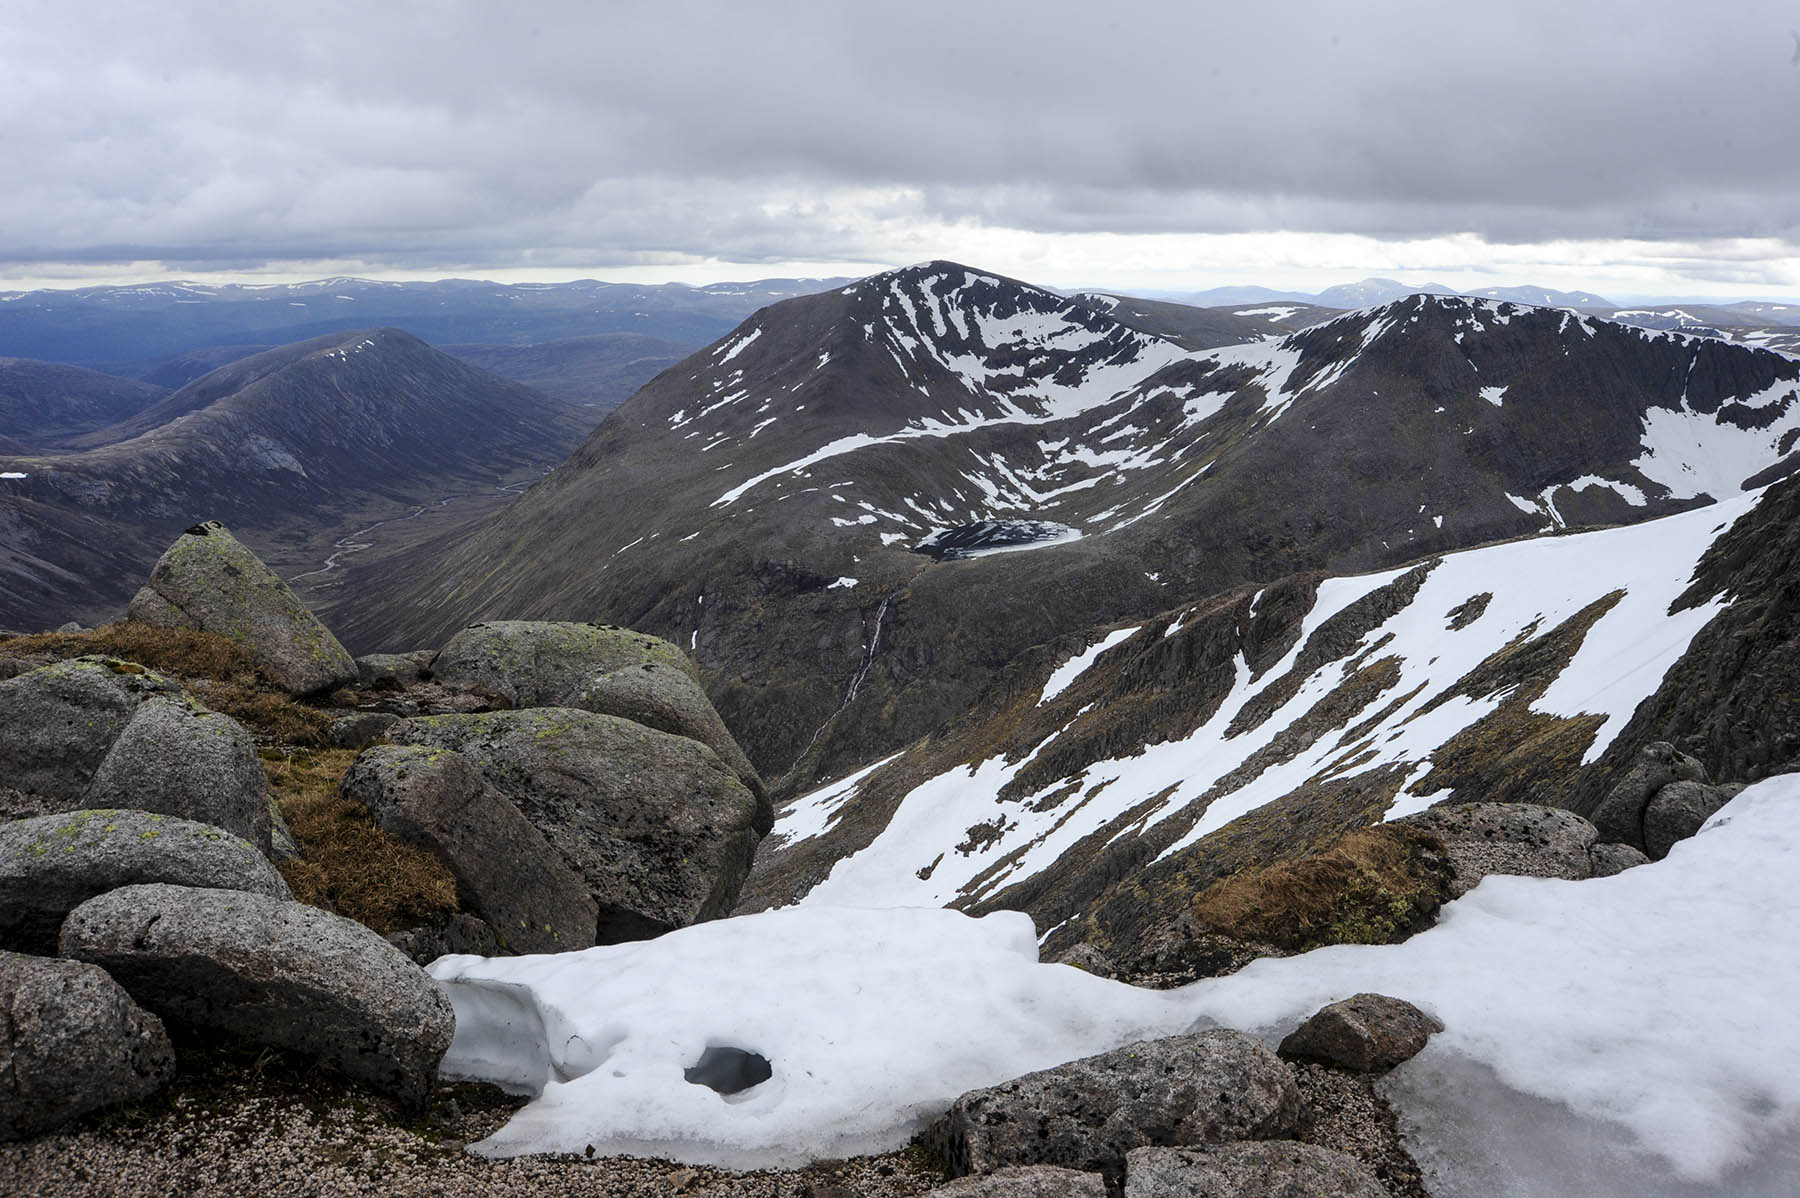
(271,972)
(1619,815)
(1508,838)
(1368,1033)
(659,829)
(52,864)
(208,580)
(1207,1087)
(1266,1169)
(506,872)
(71,1041)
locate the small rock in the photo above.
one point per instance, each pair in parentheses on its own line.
(1370,1033)
(52,864)
(1266,1169)
(1089,959)
(71,1041)
(1026,1181)
(1613,858)
(208,580)
(1676,812)
(1201,1088)
(394,671)
(271,972)
(462,933)
(361,730)
(177,758)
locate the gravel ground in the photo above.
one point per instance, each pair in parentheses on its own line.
(239,1134)
(274,1125)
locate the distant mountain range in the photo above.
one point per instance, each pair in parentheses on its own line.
(283,441)
(135,331)
(758,504)
(1380,291)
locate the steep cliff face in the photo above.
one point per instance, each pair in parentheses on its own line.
(1732,700)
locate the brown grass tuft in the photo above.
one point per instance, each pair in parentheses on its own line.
(347,864)
(270,714)
(1375,885)
(179,651)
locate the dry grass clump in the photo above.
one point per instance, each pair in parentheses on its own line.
(347,864)
(214,669)
(1375,885)
(181,651)
(270,714)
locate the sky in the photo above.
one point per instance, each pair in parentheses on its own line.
(1642,148)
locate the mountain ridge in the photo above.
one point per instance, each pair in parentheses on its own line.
(827,435)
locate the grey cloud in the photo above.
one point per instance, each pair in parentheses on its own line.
(471,131)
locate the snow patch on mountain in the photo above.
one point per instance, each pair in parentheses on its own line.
(1696,453)
(1076,666)
(1534,586)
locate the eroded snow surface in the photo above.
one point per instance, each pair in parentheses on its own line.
(1623,1037)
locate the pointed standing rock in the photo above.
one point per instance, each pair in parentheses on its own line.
(210,581)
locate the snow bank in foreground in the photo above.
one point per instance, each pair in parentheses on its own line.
(1659,1003)
(1598,1033)
(874,1021)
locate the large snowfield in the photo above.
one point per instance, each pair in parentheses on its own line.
(1631,1035)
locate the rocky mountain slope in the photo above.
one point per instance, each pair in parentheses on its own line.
(760,503)
(46,404)
(1102,775)
(289,436)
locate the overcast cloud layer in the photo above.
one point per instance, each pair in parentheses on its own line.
(1652,142)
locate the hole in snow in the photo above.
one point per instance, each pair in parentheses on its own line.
(729,1070)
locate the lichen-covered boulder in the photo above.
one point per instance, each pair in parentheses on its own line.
(1508,838)
(659,695)
(1026,1181)
(1368,1033)
(659,829)
(52,864)
(177,758)
(271,972)
(1261,1169)
(1676,812)
(1202,1088)
(71,1041)
(61,719)
(545,663)
(208,580)
(506,872)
